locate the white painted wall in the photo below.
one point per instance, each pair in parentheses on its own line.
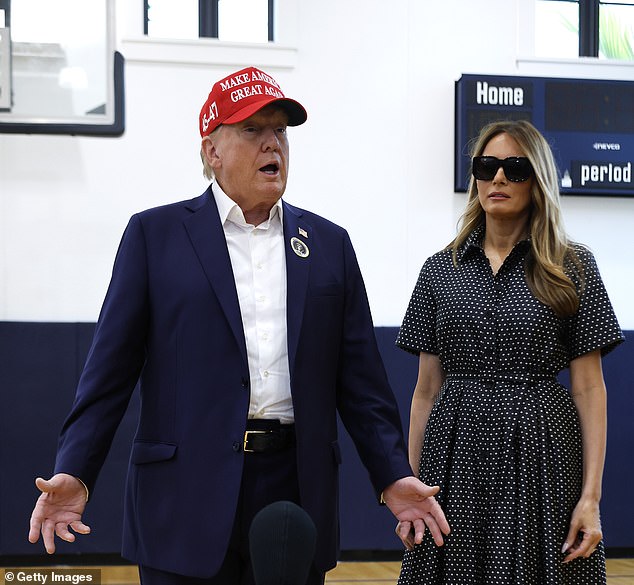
(376,154)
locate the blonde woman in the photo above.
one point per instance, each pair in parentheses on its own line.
(494,318)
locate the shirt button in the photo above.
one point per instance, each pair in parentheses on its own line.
(489,352)
(266,373)
(488,314)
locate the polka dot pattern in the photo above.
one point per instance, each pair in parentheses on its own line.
(503,440)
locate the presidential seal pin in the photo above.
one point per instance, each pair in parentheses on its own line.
(299,248)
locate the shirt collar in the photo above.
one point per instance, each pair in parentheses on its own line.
(475,240)
(472,243)
(229,210)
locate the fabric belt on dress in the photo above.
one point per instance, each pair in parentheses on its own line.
(516,377)
(268,436)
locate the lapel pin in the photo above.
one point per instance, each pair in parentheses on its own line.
(299,248)
(302,232)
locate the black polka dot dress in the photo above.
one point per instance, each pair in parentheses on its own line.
(503,440)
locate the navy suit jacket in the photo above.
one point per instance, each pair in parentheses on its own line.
(171,322)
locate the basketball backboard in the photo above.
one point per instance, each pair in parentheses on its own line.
(59,71)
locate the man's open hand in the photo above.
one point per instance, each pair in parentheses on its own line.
(414,505)
(58,509)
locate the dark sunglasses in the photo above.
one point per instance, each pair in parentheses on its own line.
(516,168)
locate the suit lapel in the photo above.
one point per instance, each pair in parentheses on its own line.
(208,239)
(297,271)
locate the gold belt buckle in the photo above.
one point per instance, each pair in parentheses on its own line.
(246,439)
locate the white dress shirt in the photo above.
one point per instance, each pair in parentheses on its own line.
(259,268)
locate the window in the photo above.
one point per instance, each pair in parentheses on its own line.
(168,19)
(556,29)
(616,30)
(587,28)
(227,20)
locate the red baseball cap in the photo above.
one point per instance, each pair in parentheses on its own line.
(240,95)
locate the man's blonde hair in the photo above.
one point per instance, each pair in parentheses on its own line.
(208,172)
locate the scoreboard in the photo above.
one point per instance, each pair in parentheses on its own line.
(589,124)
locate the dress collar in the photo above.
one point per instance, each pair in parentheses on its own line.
(475,242)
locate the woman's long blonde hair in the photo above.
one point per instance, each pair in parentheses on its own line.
(552,257)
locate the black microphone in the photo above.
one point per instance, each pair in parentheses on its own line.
(282,543)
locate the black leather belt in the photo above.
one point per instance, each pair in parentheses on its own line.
(268,436)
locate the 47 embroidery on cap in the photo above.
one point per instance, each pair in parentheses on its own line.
(213,114)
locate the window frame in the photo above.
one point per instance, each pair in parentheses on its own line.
(589,28)
(208,24)
(589,25)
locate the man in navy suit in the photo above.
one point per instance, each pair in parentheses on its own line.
(246,324)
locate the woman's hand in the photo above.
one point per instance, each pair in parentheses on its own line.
(585,530)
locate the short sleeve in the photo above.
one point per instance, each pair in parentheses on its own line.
(594,326)
(418,330)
